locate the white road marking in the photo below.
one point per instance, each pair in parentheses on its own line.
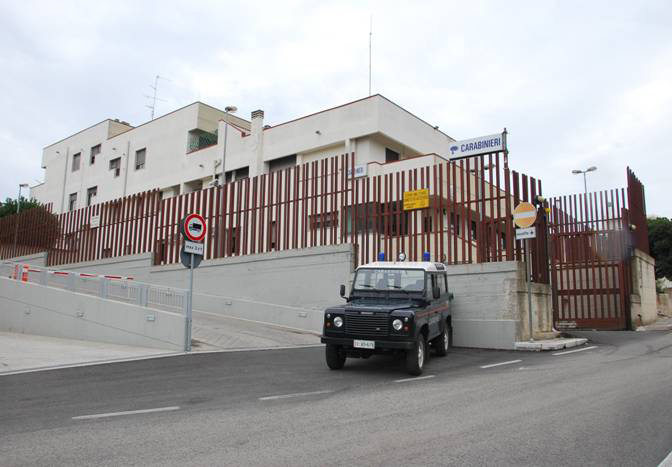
(418,378)
(500,364)
(298,394)
(667,462)
(577,350)
(129,412)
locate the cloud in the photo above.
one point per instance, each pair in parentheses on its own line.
(576,84)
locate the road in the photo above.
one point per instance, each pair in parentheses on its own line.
(608,404)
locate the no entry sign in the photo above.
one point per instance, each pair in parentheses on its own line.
(524,215)
(193,227)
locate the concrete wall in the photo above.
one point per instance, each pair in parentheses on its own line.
(36,309)
(490,305)
(288,288)
(643,306)
(664,304)
(292,288)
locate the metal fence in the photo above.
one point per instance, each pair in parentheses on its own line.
(117,288)
(592,239)
(324,202)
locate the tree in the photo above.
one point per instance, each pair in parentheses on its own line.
(9,206)
(660,245)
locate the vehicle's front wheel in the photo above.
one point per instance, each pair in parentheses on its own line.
(335,357)
(415,358)
(442,342)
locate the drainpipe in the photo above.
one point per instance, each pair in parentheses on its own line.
(128,158)
(65,175)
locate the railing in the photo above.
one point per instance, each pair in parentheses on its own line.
(117,288)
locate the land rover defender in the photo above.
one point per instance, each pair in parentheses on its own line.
(393,308)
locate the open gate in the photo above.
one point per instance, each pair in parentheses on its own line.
(592,238)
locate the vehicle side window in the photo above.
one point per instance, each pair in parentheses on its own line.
(443,283)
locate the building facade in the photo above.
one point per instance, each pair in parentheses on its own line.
(182,152)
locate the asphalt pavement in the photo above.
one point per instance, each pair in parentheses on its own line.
(606,403)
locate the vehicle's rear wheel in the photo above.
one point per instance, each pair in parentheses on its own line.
(442,342)
(335,357)
(415,358)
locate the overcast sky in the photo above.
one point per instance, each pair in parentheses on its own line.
(577,83)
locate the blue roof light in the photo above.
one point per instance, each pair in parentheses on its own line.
(425,256)
(381,256)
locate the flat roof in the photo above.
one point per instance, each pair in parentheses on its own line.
(360,100)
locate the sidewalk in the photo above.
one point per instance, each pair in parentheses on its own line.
(20,352)
(210,332)
(663,323)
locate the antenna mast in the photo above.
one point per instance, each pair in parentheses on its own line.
(370,39)
(154,98)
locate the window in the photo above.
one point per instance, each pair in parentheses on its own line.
(198,139)
(140,159)
(95,150)
(390,155)
(91,194)
(75,161)
(327,220)
(72,202)
(243,172)
(410,280)
(282,163)
(115,165)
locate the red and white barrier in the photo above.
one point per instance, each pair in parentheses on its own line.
(22,271)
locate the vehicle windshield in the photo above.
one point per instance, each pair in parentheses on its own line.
(409,280)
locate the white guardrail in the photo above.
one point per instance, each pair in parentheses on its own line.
(118,288)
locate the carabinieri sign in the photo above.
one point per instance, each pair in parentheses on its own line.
(481,145)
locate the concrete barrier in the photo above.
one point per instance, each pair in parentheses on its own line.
(35,309)
(490,306)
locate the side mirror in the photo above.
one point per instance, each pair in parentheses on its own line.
(436,292)
(451,296)
(342,290)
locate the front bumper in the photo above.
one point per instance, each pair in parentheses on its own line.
(347,342)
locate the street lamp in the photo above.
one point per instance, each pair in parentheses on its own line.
(18,210)
(227,110)
(584,172)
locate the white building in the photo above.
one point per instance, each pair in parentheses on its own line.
(181,152)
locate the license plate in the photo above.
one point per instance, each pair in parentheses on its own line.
(364,344)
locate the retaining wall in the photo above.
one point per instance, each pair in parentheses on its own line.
(35,309)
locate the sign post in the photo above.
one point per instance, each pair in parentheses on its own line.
(524,216)
(194,229)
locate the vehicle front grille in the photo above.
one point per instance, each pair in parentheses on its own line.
(366,324)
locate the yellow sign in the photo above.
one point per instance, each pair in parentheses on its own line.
(418,199)
(524,215)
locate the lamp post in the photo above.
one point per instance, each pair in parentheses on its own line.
(227,110)
(584,172)
(18,210)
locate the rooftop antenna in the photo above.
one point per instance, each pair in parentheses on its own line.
(155,87)
(370,39)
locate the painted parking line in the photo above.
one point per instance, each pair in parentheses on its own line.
(574,351)
(500,364)
(128,412)
(418,378)
(298,394)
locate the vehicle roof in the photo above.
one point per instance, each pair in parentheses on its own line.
(425,265)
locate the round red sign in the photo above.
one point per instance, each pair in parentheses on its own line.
(194,228)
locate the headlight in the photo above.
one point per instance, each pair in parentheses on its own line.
(397,324)
(338,321)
